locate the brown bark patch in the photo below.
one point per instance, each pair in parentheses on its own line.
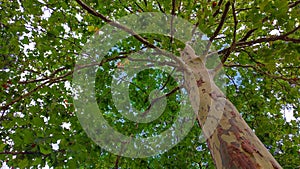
(199,82)
(233,158)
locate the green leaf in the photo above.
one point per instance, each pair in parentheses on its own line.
(45,149)
(2,146)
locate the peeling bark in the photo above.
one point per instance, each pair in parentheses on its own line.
(231,141)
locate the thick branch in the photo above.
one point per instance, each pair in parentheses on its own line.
(269,39)
(292,40)
(173,7)
(291,5)
(130,31)
(115,24)
(232,46)
(283,37)
(235,23)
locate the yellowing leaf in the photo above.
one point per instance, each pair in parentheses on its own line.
(91,28)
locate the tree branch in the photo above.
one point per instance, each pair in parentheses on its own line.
(154,61)
(128,30)
(218,10)
(139,6)
(45,78)
(227,5)
(235,23)
(215,34)
(19,153)
(115,24)
(126,7)
(232,46)
(172,20)
(160,7)
(292,40)
(290,80)
(145,2)
(158,98)
(269,39)
(252,58)
(117,162)
(283,37)
(248,34)
(293,4)
(28,152)
(51,80)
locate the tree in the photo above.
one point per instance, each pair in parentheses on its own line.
(257,43)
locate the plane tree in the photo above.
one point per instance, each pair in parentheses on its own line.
(254,43)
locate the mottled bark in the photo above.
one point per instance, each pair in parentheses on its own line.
(231,141)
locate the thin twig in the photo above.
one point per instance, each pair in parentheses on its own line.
(290,80)
(160,7)
(139,6)
(159,98)
(248,34)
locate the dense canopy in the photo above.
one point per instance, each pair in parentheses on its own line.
(256,41)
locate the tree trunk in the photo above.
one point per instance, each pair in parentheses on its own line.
(232,143)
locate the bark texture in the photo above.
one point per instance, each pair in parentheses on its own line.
(231,141)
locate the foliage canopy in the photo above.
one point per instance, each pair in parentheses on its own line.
(258,43)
